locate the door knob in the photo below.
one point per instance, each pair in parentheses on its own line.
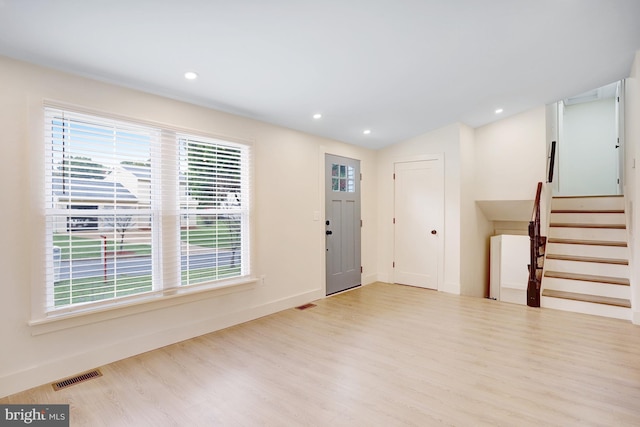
(434,232)
(329,232)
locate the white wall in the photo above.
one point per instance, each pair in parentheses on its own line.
(289,243)
(511,157)
(587,159)
(511,227)
(632,178)
(445,140)
(553,131)
(500,161)
(475,229)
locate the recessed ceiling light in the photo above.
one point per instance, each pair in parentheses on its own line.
(366,131)
(499,110)
(190,75)
(317,116)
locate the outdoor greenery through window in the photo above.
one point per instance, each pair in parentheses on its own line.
(212,211)
(133,209)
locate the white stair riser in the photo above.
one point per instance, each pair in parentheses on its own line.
(605,234)
(588,218)
(614,252)
(593,268)
(587,203)
(596,251)
(588,288)
(586,308)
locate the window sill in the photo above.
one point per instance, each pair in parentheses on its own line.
(137,304)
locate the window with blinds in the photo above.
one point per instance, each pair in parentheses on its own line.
(213,208)
(133,209)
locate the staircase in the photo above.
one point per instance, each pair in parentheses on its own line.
(586,268)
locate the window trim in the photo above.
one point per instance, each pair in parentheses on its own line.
(43,321)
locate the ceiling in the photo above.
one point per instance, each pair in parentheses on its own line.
(397,67)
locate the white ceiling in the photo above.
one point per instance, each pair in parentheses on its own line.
(397,67)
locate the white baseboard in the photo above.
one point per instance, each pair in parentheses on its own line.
(96,357)
(451,288)
(383,277)
(635,317)
(369,279)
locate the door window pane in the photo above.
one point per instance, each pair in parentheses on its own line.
(342,178)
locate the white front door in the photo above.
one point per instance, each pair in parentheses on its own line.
(419,222)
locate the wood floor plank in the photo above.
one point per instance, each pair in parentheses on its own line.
(380,355)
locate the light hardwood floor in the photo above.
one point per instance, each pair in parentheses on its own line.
(381,355)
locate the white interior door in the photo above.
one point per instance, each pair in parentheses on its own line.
(418,222)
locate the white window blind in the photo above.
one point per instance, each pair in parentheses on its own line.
(113,193)
(213,208)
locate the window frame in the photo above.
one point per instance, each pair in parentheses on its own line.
(167,287)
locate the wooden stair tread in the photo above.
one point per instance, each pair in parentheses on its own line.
(577,225)
(588,211)
(588,259)
(587,242)
(587,278)
(596,299)
(595,196)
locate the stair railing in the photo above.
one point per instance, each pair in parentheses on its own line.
(538,243)
(551,161)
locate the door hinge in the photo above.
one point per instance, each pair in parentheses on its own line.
(394,264)
(360,177)
(394,220)
(360,269)
(394,176)
(360,223)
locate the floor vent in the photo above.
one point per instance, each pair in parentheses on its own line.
(77,379)
(304,307)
